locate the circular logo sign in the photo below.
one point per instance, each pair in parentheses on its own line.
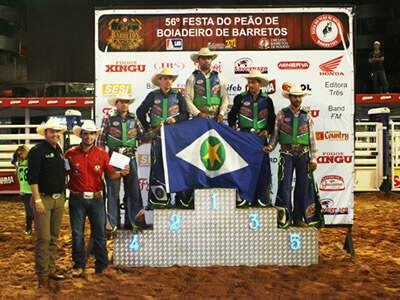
(212,153)
(326,31)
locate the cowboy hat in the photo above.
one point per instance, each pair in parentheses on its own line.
(256,74)
(203,52)
(291,89)
(73,113)
(88,125)
(52,123)
(125,97)
(167,72)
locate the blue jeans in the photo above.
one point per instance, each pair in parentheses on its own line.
(132,191)
(306,204)
(28,211)
(79,208)
(380,82)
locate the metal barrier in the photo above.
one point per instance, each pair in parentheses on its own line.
(368,156)
(395,154)
(11,136)
(10,140)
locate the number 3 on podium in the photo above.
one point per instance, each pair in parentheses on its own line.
(254,221)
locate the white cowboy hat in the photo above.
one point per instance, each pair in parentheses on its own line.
(73,112)
(256,74)
(52,123)
(88,125)
(126,97)
(164,72)
(203,52)
(291,89)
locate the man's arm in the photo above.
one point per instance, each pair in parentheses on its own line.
(34,165)
(270,116)
(111,172)
(313,144)
(233,113)
(189,95)
(183,110)
(144,109)
(102,140)
(225,98)
(273,141)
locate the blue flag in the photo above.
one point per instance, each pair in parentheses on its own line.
(202,153)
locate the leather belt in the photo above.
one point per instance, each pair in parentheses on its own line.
(294,147)
(54,196)
(88,195)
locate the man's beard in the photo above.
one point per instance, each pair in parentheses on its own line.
(87,145)
(205,67)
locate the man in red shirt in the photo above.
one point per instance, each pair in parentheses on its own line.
(86,166)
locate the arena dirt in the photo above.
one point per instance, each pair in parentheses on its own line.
(374,273)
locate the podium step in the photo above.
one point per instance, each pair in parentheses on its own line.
(216,233)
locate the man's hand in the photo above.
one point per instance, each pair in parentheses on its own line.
(125,171)
(263,134)
(156,130)
(312,166)
(267,149)
(202,115)
(39,206)
(170,121)
(219,118)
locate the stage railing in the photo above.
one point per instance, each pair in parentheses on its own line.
(368,156)
(395,155)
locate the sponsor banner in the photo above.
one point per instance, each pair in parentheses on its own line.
(396,179)
(9,182)
(324,68)
(128,32)
(143,163)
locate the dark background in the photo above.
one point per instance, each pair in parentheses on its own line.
(55,38)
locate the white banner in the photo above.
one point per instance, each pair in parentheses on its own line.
(322,65)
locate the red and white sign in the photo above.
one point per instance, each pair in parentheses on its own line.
(334,158)
(333,136)
(332,183)
(327,31)
(293,65)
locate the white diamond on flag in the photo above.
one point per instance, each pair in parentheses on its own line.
(212,154)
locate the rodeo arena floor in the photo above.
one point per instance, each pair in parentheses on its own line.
(373,273)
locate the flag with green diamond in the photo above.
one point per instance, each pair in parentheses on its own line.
(202,153)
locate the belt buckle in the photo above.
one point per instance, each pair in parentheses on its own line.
(56,196)
(88,195)
(295,147)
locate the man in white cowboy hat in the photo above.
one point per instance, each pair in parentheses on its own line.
(205,92)
(163,105)
(120,133)
(87,164)
(294,131)
(46,177)
(253,111)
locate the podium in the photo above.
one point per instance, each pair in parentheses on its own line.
(216,233)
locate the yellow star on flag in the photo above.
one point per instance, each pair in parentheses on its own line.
(212,154)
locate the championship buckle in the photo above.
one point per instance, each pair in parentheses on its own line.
(56,196)
(88,195)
